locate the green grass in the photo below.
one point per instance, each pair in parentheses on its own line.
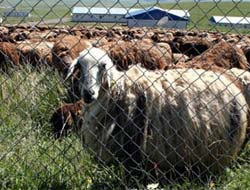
(30,158)
(40,12)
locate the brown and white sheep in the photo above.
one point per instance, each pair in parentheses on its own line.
(182,119)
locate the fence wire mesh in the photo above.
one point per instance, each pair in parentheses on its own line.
(124,94)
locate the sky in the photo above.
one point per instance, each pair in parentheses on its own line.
(101,3)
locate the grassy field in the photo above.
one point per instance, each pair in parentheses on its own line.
(40,12)
(200,12)
(30,158)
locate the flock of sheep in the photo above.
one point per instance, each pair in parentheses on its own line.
(162,100)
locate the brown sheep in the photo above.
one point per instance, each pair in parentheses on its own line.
(247,53)
(4,35)
(64,119)
(151,55)
(222,55)
(66,49)
(8,55)
(35,53)
(179,57)
(20,35)
(190,46)
(38,35)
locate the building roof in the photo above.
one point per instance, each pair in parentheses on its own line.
(15,13)
(142,13)
(158,13)
(180,13)
(101,10)
(229,20)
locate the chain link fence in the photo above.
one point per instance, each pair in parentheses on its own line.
(124,94)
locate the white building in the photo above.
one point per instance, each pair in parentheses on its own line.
(98,14)
(151,17)
(230,21)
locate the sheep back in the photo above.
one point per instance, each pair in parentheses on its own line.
(65,49)
(35,53)
(8,55)
(151,56)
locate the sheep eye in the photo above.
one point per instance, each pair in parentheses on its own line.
(102,66)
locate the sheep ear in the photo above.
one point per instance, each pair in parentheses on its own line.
(72,68)
(108,66)
(105,79)
(110,78)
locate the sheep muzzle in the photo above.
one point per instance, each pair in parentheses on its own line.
(88,96)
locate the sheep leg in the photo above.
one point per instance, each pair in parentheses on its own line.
(135,139)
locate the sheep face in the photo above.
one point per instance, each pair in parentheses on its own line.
(95,64)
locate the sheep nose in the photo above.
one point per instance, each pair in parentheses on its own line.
(88,96)
(91,92)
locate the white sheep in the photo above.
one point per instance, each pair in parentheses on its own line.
(243,77)
(182,119)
